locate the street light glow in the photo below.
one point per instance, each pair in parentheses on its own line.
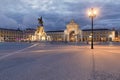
(92,12)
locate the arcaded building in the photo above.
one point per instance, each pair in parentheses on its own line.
(10,35)
(55,35)
(99,35)
(73,33)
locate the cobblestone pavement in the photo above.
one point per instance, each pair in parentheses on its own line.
(48,61)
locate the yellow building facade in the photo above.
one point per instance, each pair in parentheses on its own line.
(73,33)
(10,35)
(99,35)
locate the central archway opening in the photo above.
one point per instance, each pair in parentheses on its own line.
(72,36)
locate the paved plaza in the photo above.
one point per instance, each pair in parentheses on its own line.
(60,61)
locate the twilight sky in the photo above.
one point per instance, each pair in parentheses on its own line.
(57,13)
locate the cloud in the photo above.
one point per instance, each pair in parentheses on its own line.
(56,14)
(7,22)
(30,19)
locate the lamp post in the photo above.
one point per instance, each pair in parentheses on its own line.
(92,14)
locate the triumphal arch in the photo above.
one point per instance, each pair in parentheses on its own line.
(72,33)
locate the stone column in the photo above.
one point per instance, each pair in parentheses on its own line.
(81,37)
(68,37)
(76,38)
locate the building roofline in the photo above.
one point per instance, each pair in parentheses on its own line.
(55,31)
(101,29)
(10,29)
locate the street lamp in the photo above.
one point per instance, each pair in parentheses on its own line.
(92,14)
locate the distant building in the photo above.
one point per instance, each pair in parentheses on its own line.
(73,33)
(117,37)
(55,35)
(99,35)
(10,35)
(27,34)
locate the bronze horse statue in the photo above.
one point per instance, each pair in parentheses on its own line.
(40,21)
